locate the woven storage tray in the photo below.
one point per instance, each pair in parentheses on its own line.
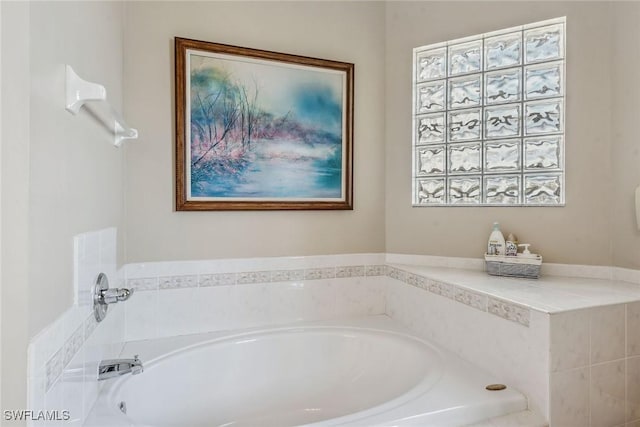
(498,265)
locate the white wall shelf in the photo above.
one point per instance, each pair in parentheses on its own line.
(80,91)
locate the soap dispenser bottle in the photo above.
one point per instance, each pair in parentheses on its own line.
(495,246)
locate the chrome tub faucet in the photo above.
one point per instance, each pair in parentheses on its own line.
(103,296)
(116,367)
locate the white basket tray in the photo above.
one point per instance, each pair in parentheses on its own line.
(513,266)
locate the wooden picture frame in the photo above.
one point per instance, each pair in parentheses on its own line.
(260,130)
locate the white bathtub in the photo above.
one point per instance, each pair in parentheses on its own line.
(360,372)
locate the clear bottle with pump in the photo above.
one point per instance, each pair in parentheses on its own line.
(496,245)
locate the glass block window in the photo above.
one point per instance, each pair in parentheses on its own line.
(488,119)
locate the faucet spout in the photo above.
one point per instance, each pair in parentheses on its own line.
(115,367)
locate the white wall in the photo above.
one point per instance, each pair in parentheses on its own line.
(0,205)
(75,171)
(15,207)
(343,31)
(578,233)
(625,55)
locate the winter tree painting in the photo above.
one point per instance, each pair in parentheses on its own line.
(263,130)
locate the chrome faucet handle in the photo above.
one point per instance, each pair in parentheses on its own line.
(110,296)
(103,296)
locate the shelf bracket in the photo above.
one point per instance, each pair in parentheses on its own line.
(80,91)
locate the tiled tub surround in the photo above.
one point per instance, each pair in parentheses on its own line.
(549,294)
(548,271)
(193,297)
(178,298)
(572,344)
(64,358)
(505,325)
(67,379)
(595,366)
(508,340)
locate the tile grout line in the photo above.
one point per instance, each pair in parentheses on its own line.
(626,363)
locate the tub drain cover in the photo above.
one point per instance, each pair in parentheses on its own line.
(496,387)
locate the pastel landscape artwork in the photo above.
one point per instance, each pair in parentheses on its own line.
(264,130)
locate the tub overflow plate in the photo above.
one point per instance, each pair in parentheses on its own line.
(496,387)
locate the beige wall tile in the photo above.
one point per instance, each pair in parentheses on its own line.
(607,333)
(569,400)
(633,329)
(606,394)
(569,340)
(633,389)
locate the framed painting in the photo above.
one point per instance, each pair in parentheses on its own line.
(260,130)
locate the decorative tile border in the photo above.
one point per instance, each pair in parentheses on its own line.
(223,279)
(396,273)
(470,298)
(287,275)
(415,280)
(440,288)
(165,282)
(509,311)
(350,271)
(504,309)
(178,282)
(375,270)
(320,273)
(149,284)
(53,369)
(90,324)
(73,344)
(254,277)
(61,358)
